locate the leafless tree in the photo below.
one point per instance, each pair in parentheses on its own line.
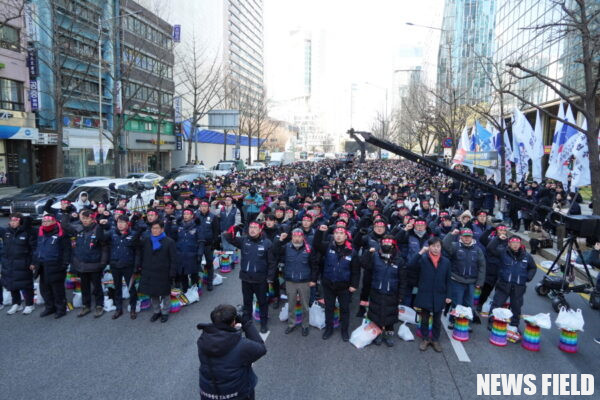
(71,82)
(578,26)
(494,110)
(414,121)
(202,85)
(11,10)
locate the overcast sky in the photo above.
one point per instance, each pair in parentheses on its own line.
(367,41)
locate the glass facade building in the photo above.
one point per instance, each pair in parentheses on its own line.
(538,50)
(467,37)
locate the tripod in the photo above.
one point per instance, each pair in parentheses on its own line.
(138,204)
(556,287)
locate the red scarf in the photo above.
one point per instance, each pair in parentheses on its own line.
(46,229)
(435,260)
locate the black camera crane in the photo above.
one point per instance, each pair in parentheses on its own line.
(576,226)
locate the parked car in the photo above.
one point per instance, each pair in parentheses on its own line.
(257,165)
(6,201)
(115,188)
(32,203)
(147,176)
(226,167)
(185,175)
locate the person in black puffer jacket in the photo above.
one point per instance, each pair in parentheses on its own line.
(17,270)
(226,356)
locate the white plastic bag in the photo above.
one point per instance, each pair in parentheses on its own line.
(502,313)
(124,292)
(364,334)
(316,316)
(217,280)
(37,298)
(405,334)
(108,304)
(407,314)
(570,319)
(77,300)
(138,307)
(542,320)
(485,309)
(283,313)
(6,297)
(192,294)
(462,311)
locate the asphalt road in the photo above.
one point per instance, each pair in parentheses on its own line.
(87,358)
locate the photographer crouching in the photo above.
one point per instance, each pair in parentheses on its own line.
(226,356)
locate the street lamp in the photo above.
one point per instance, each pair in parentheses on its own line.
(424,26)
(100,125)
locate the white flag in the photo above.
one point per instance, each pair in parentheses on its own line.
(463,147)
(538,149)
(581,165)
(553,169)
(508,153)
(522,143)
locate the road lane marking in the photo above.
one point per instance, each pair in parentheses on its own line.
(264,336)
(458,347)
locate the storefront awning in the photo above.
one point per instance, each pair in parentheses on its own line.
(18,132)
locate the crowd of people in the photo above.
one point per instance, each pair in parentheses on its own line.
(381,231)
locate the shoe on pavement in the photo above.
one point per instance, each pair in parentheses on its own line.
(133,314)
(99,312)
(378,340)
(60,314)
(84,311)
(597,340)
(164,318)
(304,331)
(209,286)
(117,314)
(345,336)
(276,304)
(436,346)
(289,330)
(327,334)
(14,309)
(28,310)
(424,344)
(451,325)
(47,312)
(154,317)
(388,338)
(264,328)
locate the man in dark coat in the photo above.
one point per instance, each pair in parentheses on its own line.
(50,259)
(208,226)
(17,269)
(158,265)
(226,356)
(388,284)
(187,238)
(340,277)
(516,269)
(300,270)
(257,269)
(88,258)
(124,251)
(434,273)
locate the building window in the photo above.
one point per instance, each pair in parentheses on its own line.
(9,38)
(11,95)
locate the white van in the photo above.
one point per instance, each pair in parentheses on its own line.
(101,191)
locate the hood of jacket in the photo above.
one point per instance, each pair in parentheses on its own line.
(216,341)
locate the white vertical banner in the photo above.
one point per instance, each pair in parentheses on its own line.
(96,150)
(508,154)
(552,170)
(538,149)
(581,166)
(119,98)
(105,149)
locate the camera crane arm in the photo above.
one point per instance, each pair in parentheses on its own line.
(440,168)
